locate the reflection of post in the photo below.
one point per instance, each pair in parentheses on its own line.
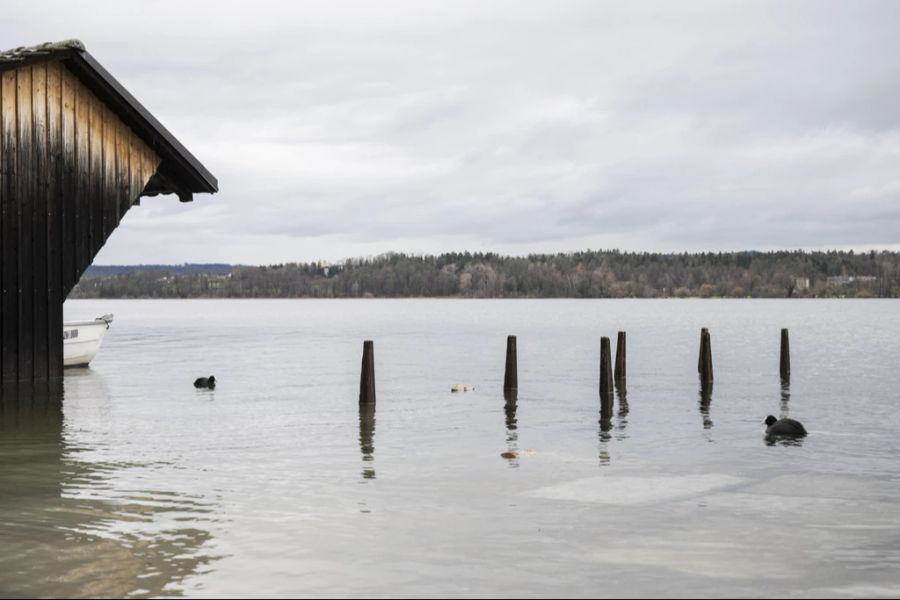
(510,409)
(511,373)
(367,375)
(512,434)
(622,399)
(785,397)
(706,389)
(606,410)
(367,438)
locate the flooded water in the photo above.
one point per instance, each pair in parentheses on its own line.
(131,482)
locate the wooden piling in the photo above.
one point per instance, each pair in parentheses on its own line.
(785,355)
(703,333)
(511,374)
(367,375)
(606,379)
(620,359)
(706,363)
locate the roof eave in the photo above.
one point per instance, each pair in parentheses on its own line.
(193,176)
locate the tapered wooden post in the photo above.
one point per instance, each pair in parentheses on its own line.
(703,333)
(606,379)
(785,355)
(706,364)
(511,375)
(367,375)
(620,359)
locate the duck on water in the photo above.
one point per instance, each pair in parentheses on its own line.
(784,427)
(208,383)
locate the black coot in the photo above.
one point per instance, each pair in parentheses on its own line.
(784,427)
(205,382)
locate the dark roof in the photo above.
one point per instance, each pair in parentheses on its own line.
(180,172)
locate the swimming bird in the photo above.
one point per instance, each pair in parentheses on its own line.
(784,427)
(205,382)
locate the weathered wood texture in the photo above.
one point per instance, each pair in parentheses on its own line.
(367,374)
(706,361)
(620,359)
(511,372)
(69,169)
(785,363)
(606,373)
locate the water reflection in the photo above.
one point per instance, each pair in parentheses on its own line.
(367,439)
(69,527)
(785,397)
(511,404)
(606,412)
(706,391)
(774,440)
(622,416)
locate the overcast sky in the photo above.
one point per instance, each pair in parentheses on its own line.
(340,129)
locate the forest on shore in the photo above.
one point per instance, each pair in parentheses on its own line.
(589,274)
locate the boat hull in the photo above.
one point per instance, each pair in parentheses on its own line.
(81,341)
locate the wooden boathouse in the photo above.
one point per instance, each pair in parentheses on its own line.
(76,151)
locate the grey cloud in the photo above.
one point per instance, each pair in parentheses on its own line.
(337,128)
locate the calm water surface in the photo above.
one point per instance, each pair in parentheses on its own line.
(135,484)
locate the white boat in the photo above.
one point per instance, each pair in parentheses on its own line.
(81,340)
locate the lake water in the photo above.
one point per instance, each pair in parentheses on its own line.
(136,484)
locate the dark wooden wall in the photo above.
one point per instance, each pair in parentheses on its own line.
(69,170)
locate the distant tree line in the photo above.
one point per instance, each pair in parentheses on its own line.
(590,274)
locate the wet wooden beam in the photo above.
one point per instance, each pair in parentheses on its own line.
(706,363)
(367,374)
(606,374)
(619,373)
(785,362)
(511,372)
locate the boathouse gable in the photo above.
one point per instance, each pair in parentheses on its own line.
(76,151)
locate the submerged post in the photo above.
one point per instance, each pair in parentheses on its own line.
(620,359)
(511,375)
(785,355)
(606,380)
(367,375)
(706,365)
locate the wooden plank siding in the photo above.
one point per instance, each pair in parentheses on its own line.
(10,242)
(41,208)
(69,170)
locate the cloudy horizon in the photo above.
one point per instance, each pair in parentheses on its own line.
(349,129)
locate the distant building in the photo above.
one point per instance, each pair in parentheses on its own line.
(848,279)
(801,284)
